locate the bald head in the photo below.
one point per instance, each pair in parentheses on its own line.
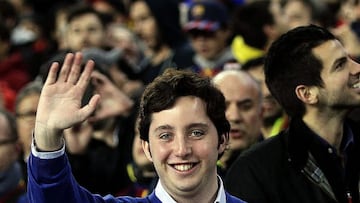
(237,78)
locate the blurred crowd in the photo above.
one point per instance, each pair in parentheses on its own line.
(132,42)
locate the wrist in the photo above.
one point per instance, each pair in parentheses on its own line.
(47,139)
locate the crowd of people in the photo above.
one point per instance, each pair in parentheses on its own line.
(179,101)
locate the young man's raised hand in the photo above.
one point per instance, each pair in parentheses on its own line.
(60,101)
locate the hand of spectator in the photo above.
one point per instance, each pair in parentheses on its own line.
(78,137)
(60,101)
(114,102)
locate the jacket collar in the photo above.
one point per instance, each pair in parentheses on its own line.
(299,139)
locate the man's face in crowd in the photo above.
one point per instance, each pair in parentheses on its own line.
(340,76)
(144,23)
(184,147)
(85,31)
(271,107)
(208,44)
(243,111)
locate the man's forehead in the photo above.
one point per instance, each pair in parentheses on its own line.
(329,51)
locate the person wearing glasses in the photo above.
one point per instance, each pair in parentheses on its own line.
(12,184)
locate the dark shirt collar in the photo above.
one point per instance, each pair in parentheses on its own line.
(303,140)
(347,140)
(337,168)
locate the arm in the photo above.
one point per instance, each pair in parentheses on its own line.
(59,108)
(50,180)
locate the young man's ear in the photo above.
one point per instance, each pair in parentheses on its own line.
(223,143)
(307,94)
(146,148)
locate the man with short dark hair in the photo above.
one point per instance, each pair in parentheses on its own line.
(12,184)
(317,158)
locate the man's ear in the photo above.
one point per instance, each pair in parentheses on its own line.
(146,148)
(307,94)
(223,143)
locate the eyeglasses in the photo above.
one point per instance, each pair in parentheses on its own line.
(7,141)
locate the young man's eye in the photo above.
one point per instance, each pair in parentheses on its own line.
(197,133)
(165,136)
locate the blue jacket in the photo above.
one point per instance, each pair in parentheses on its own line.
(50,180)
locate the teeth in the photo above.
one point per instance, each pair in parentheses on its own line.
(183,167)
(357,85)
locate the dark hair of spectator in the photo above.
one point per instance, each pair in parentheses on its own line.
(249,65)
(290,62)
(83,9)
(249,21)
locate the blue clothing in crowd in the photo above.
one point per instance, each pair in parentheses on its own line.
(50,180)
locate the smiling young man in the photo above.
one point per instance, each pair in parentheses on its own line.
(182,126)
(317,158)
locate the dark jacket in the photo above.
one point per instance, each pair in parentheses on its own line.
(291,167)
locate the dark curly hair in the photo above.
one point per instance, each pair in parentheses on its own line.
(163,92)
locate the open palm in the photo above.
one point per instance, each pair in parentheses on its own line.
(60,101)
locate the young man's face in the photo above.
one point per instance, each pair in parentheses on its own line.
(183,145)
(85,31)
(208,44)
(340,75)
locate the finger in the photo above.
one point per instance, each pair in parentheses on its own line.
(86,74)
(95,118)
(65,68)
(98,79)
(98,75)
(75,69)
(88,109)
(52,75)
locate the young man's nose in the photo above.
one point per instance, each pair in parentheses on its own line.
(182,147)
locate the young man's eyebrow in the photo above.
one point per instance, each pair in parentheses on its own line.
(163,127)
(197,125)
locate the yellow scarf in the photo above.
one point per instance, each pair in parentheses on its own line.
(243,52)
